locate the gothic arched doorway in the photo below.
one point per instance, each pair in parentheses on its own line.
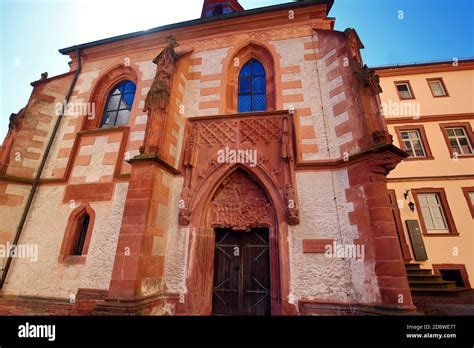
(241,215)
(245,201)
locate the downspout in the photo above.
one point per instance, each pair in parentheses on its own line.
(40,171)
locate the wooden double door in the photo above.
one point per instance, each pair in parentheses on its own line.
(241,273)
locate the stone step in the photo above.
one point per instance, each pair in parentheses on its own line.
(432,285)
(429,277)
(416,291)
(412,266)
(423,282)
(419,272)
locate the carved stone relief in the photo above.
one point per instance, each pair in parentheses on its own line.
(240,204)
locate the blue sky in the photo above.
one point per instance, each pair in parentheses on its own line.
(33,31)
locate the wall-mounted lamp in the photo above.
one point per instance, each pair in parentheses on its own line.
(411,205)
(406,194)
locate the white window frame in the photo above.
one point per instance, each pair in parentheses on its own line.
(440,85)
(431,208)
(411,140)
(408,90)
(457,137)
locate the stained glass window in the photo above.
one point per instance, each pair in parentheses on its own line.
(119,105)
(252,87)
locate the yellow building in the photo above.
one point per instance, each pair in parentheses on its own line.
(429,110)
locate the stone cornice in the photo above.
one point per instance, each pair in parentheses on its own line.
(414,69)
(155,159)
(429,118)
(394,151)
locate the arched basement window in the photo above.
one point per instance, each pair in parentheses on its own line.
(119,105)
(252,87)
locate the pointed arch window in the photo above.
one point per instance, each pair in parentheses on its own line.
(119,105)
(77,236)
(252,87)
(81,234)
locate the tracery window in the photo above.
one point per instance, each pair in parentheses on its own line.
(77,236)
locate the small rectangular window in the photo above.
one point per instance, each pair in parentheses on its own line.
(404,90)
(433,213)
(437,88)
(459,141)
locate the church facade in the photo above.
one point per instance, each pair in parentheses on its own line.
(231,165)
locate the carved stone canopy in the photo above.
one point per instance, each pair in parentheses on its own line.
(260,144)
